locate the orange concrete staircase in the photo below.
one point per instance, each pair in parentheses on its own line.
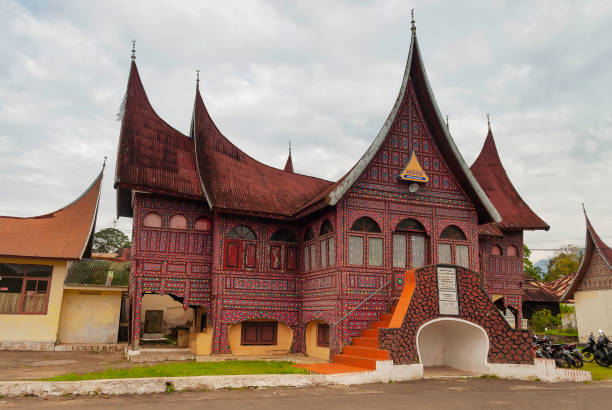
(363,353)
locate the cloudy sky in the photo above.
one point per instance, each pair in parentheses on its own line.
(323,74)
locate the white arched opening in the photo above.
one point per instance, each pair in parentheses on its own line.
(454,343)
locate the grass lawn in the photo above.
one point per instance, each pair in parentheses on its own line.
(188,369)
(559,332)
(598,372)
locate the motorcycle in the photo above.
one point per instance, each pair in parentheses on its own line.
(545,350)
(588,353)
(603,352)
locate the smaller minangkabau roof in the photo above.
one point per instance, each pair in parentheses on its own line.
(593,243)
(63,234)
(489,229)
(493,178)
(98,273)
(537,291)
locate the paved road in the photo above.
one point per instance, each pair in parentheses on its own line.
(423,394)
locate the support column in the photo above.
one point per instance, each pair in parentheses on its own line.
(136,314)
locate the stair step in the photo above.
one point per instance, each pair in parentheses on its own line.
(365,341)
(356,361)
(380,323)
(370,333)
(386,317)
(369,352)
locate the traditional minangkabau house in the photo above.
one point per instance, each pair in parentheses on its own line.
(500,244)
(591,287)
(35,254)
(274,261)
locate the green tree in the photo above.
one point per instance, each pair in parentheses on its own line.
(110,240)
(566,261)
(543,319)
(531,270)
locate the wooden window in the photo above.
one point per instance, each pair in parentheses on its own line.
(152,220)
(308,235)
(24,289)
(365,224)
(232,254)
(292,257)
(258,333)
(355,250)
(496,250)
(178,222)
(202,224)
(512,251)
(323,335)
(324,253)
(356,243)
(375,251)
(275,257)
(250,251)
(313,256)
(331,248)
(444,253)
(453,232)
(283,235)
(242,232)
(326,227)
(409,244)
(462,256)
(306,258)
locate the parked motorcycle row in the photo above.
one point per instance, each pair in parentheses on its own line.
(568,355)
(599,350)
(565,355)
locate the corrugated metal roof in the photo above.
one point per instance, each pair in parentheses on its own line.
(99,273)
(492,176)
(489,229)
(537,291)
(63,234)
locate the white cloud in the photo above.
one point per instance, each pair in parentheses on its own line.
(324,75)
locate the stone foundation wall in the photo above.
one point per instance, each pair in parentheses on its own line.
(505,344)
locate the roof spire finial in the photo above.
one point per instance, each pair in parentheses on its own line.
(133,50)
(447,122)
(583,209)
(489,121)
(104,163)
(197,78)
(289,147)
(412,21)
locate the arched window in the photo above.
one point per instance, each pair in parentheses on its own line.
(496,250)
(326,227)
(178,222)
(327,244)
(453,247)
(453,232)
(202,224)
(283,235)
(409,244)
(242,232)
(512,251)
(308,235)
(240,250)
(366,226)
(152,220)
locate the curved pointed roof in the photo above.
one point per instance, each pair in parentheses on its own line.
(593,243)
(415,71)
(235,181)
(152,156)
(289,164)
(493,178)
(63,234)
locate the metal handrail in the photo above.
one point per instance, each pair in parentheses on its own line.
(362,302)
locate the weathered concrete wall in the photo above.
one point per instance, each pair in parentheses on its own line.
(200,343)
(311,342)
(593,312)
(174,313)
(89,316)
(35,331)
(284,338)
